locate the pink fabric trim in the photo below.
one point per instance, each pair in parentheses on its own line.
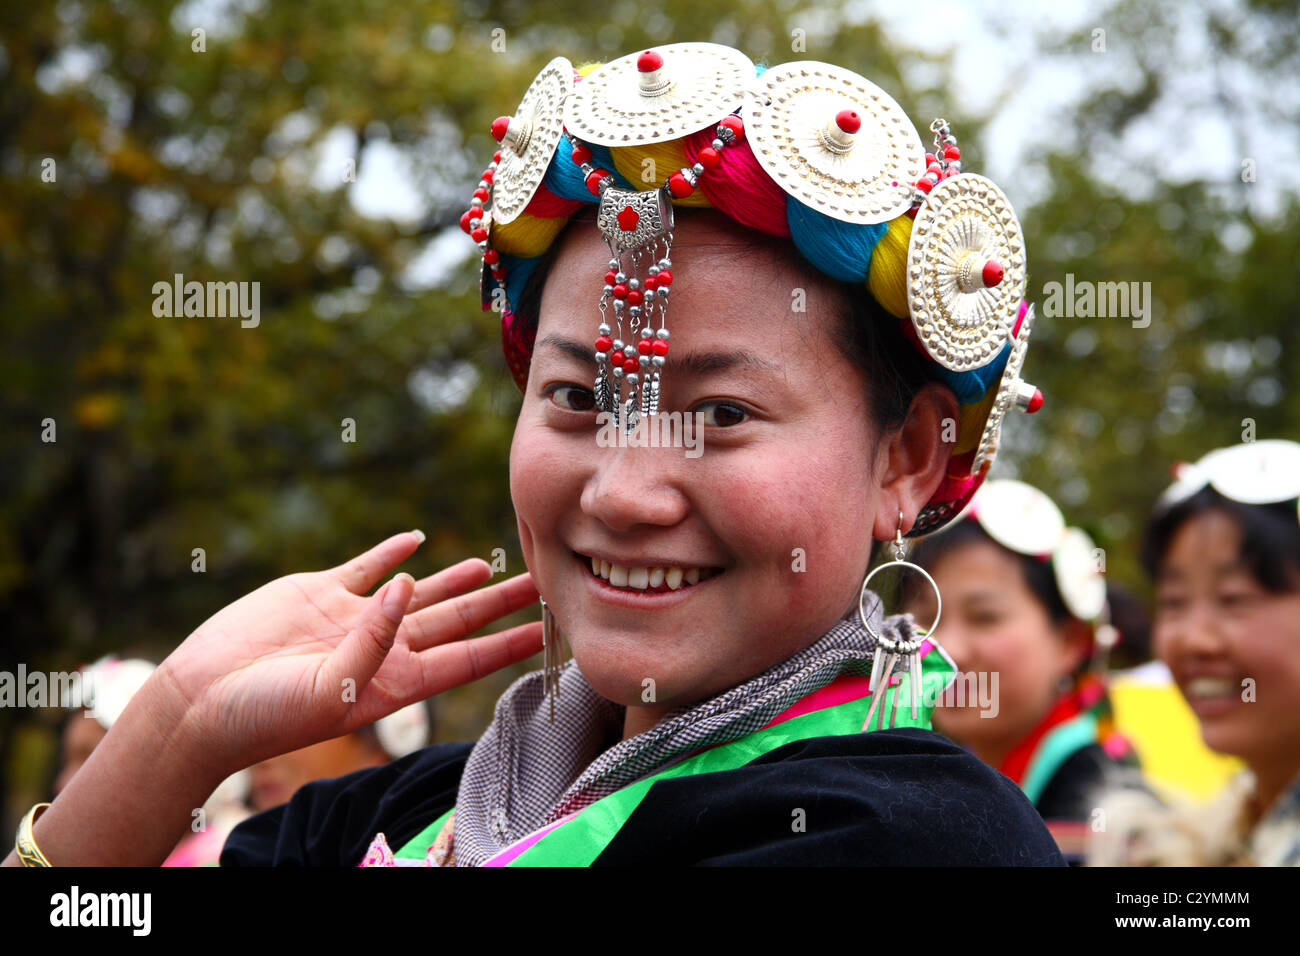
(507,855)
(839,691)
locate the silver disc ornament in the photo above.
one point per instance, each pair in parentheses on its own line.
(625,103)
(834,141)
(965,272)
(530,140)
(1012,391)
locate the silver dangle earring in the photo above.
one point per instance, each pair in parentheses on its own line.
(551,656)
(888,651)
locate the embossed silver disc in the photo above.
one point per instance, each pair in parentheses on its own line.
(1008,386)
(536,127)
(862,177)
(965,224)
(697,85)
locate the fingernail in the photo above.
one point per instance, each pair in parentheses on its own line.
(419,534)
(394,606)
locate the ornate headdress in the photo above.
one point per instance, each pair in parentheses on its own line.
(804,150)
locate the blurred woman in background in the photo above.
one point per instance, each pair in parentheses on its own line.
(1025,618)
(1223,547)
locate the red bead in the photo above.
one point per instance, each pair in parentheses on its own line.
(649,61)
(679,187)
(651,283)
(479,234)
(593,181)
(930,160)
(1035,403)
(848,120)
(949,173)
(735,124)
(992,273)
(465,217)
(660,347)
(488,175)
(934,168)
(644,346)
(496,157)
(604,343)
(924,185)
(634,297)
(499,127)
(581,154)
(631,365)
(708,158)
(499,272)
(951,152)
(481,195)
(620,291)
(491,257)
(628,218)
(611,277)
(665,277)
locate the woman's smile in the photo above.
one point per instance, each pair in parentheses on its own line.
(644,585)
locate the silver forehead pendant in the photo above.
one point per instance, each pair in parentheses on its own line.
(638,226)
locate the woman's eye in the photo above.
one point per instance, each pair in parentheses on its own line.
(573,398)
(722,414)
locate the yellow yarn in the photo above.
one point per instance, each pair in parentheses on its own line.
(887,278)
(973,417)
(587,68)
(528,236)
(665,159)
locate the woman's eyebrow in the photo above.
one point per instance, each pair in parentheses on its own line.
(695,363)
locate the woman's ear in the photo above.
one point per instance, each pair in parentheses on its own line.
(914,457)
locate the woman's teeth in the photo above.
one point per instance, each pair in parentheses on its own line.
(1207,687)
(641,579)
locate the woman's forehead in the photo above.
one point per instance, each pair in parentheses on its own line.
(727,278)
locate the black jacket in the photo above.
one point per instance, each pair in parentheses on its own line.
(886,798)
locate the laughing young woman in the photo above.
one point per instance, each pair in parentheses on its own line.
(723,639)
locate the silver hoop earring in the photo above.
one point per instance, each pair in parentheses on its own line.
(888,650)
(551,656)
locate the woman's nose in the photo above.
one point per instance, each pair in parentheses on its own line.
(632,486)
(1198,631)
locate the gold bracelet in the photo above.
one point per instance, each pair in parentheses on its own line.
(25,844)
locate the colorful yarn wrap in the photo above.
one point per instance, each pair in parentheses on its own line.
(871,255)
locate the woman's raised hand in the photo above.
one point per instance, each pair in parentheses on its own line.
(308,656)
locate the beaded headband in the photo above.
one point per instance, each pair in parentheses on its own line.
(806,150)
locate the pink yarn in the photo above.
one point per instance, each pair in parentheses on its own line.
(546,205)
(739,187)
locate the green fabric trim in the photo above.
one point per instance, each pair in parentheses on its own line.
(1059,745)
(582,839)
(418,845)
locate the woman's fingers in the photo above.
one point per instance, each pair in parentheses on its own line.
(461,616)
(450,582)
(455,664)
(366,570)
(361,653)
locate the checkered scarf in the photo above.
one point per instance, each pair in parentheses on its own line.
(524,772)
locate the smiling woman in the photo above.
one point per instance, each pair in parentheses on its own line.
(846,320)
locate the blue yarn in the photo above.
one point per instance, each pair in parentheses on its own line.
(517,272)
(970,386)
(566,179)
(840,249)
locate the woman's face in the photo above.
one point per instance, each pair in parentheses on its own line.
(1233,647)
(776,512)
(994,624)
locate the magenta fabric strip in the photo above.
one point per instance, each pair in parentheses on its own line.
(506,856)
(839,691)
